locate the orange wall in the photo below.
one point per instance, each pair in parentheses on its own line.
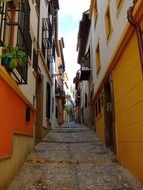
(12,118)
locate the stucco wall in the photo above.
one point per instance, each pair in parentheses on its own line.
(128,89)
(22,146)
(100,126)
(98,34)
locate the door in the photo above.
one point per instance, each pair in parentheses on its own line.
(39,105)
(109,115)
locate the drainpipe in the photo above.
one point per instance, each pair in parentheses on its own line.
(138,30)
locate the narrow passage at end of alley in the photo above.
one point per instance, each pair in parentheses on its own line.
(72,157)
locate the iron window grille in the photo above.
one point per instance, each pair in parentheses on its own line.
(24,41)
(1,21)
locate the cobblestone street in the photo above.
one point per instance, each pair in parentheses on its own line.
(71,157)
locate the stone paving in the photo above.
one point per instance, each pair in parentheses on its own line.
(71,157)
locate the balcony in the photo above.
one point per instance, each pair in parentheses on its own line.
(85,69)
(85,73)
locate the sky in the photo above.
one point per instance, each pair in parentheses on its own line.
(70,14)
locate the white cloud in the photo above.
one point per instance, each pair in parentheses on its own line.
(74,7)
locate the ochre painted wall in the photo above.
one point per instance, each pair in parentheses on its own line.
(22,146)
(100,128)
(12,117)
(100,124)
(128,91)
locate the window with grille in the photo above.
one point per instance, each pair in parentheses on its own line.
(1,22)
(23,37)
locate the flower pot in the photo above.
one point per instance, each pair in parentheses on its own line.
(5,61)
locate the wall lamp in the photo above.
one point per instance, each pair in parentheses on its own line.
(55,75)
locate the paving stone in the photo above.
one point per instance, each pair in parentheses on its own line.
(72,157)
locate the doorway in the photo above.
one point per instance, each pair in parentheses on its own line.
(109,115)
(39,105)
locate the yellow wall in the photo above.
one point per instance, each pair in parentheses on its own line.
(22,146)
(100,128)
(100,125)
(128,90)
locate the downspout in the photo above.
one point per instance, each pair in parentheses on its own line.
(138,30)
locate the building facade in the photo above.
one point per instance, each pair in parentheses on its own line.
(114,47)
(29,50)
(18,84)
(115,83)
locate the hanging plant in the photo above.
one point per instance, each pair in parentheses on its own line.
(13,57)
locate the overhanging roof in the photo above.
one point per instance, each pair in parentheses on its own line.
(56,4)
(83,33)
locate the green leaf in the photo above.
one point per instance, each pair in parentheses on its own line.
(13,64)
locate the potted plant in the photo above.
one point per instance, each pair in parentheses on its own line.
(58,91)
(13,57)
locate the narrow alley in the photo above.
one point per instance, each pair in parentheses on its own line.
(72,157)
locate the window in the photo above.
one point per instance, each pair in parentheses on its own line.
(48,98)
(98,65)
(108,23)
(118,3)
(35,60)
(23,37)
(95,12)
(1,22)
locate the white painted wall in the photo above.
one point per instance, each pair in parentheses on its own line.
(98,33)
(30,88)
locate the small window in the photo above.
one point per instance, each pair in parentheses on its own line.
(108,23)
(118,3)
(98,64)
(95,12)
